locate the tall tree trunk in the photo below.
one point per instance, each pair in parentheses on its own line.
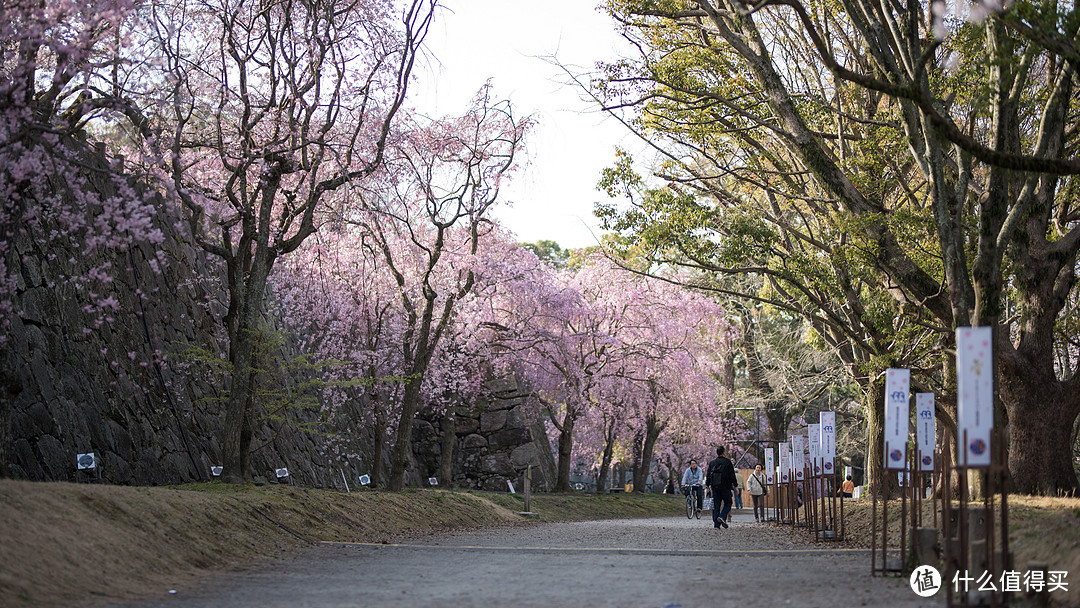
(779,417)
(236,445)
(446,458)
(1041,419)
(605,460)
(399,454)
(648,445)
(874,406)
(239,412)
(566,445)
(377,452)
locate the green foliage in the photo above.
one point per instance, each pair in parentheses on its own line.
(286,389)
(549,251)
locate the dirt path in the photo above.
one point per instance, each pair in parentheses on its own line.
(642,562)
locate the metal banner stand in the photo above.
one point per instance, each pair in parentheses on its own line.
(819,503)
(793,499)
(778,501)
(924,539)
(826,523)
(972,550)
(897,567)
(808,495)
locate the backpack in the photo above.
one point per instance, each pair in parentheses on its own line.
(715,474)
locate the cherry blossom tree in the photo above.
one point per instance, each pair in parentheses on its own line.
(606,351)
(56,193)
(434,196)
(338,293)
(258,117)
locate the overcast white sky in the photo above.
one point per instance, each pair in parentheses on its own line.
(505,40)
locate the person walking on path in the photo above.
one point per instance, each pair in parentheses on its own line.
(721,477)
(691,482)
(738,489)
(848,488)
(758,487)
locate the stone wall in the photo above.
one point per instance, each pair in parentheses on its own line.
(117,390)
(499,439)
(120,391)
(494,441)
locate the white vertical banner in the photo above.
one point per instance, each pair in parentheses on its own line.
(814,442)
(897,412)
(785,462)
(791,460)
(798,453)
(925,431)
(770,466)
(975,384)
(828,442)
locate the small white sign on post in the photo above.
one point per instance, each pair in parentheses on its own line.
(897,411)
(975,385)
(770,466)
(785,462)
(813,432)
(365,479)
(925,430)
(281,473)
(828,441)
(85,462)
(798,454)
(432,481)
(216,471)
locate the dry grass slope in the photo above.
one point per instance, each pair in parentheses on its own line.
(75,544)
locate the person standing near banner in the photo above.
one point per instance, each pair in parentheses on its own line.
(721,477)
(847,489)
(758,486)
(738,489)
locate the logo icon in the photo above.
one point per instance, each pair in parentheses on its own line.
(828,466)
(925,581)
(977,446)
(926,460)
(896,455)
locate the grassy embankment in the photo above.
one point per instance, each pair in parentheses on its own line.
(1041,529)
(71,544)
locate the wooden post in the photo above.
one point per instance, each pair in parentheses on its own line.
(528,489)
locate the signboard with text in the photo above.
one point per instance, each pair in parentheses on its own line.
(814,442)
(897,412)
(828,442)
(770,466)
(785,462)
(798,454)
(925,430)
(975,400)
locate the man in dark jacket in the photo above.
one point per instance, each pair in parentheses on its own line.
(721,476)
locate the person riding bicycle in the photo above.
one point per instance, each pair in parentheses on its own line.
(692,481)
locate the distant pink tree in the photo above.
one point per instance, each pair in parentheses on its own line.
(429,217)
(340,296)
(613,357)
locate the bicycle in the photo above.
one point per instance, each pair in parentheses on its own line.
(692,509)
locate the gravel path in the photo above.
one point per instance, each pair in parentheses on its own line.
(641,562)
